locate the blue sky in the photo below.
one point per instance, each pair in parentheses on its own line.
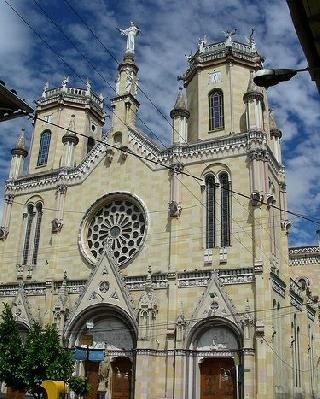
(170,30)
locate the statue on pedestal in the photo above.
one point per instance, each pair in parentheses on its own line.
(131,33)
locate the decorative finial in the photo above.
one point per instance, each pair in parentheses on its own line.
(131,33)
(252,42)
(45,88)
(228,34)
(20,147)
(88,85)
(202,43)
(65,81)
(149,273)
(188,57)
(101,97)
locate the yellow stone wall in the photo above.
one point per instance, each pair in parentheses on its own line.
(61,116)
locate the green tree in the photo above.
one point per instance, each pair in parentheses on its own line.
(11,352)
(45,358)
(40,357)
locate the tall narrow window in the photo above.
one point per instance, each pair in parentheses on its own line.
(90,144)
(26,245)
(216,116)
(32,228)
(210,212)
(225,210)
(37,234)
(44,147)
(298,359)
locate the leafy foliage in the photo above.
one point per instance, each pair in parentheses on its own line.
(12,352)
(40,357)
(79,385)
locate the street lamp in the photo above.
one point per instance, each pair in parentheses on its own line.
(270,77)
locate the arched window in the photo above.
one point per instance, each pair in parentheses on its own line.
(216,112)
(32,226)
(44,147)
(26,245)
(217,211)
(225,209)
(37,233)
(210,211)
(90,144)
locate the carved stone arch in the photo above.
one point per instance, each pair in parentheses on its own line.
(216,344)
(96,314)
(105,289)
(303,282)
(21,309)
(33,200)
(214,302)
(225,171)
(214,321)
(117,138)
(216,168)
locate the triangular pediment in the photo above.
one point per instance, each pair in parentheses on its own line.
(104,286)
(214,302)
(21,309)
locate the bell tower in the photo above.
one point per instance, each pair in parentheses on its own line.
(215,81)
(56,107)
(125,104)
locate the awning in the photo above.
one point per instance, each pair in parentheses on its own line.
(95,355)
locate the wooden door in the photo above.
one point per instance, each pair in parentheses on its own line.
(121,378)
(12,394)
(91,372)
(217,379)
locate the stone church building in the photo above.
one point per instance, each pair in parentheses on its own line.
(166,270)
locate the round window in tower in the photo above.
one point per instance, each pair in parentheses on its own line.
(117,222)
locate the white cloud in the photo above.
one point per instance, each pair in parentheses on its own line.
(170,29)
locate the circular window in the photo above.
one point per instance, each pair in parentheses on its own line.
(119,222)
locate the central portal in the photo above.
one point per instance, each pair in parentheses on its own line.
(118,384)
(218,379)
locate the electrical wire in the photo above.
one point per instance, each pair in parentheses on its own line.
(147,159)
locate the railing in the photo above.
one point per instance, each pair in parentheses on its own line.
(73,92)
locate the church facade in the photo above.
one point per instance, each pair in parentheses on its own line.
(166,270)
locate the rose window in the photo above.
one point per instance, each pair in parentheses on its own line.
(121,225)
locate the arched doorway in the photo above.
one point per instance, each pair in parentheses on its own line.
(214,364)
(105,340)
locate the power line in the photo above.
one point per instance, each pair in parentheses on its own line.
(60,29)
(156,162)
(158,110)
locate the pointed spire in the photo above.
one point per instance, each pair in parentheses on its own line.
(274,130)
(252,90)
(181,101)
(20,147)
(180,107)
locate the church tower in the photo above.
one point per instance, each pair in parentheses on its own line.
(55,109)
(215,81)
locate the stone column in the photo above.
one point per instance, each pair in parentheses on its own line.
(6,217)
(57,222)
(175,207)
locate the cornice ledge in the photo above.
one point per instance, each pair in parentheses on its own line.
(207,148)
(66,176)
(144,143)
